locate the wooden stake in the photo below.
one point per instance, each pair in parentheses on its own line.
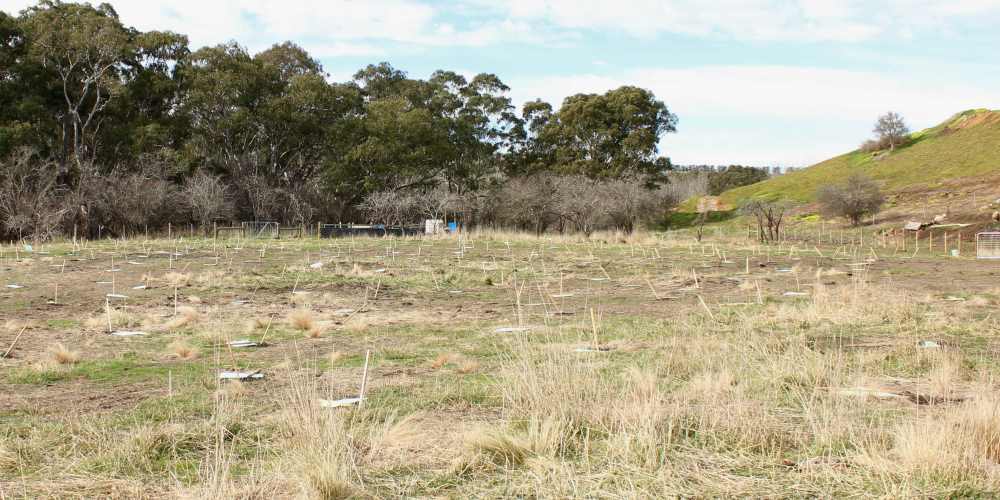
(14,343)
(266,329)
(364,379)
(593,324)
(707,309)
(107,309)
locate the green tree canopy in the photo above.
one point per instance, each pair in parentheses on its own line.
(611,135)
(106,104)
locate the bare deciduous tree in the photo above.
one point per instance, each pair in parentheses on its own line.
(580,202)
(207,197)
(29,197)
(769,216)
(529,203)
(264,199)
(434,203)
(631,202)
(389,208)
(891,129)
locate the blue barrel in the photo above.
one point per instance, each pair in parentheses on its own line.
(452,227)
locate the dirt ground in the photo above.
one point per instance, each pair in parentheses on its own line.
(432,313)
(566,281)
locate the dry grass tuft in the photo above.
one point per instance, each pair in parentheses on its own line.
(8,458)
(467,366)
(183,350)
(186,316)
(946,375)
(443,359)
(63,356)
(301,299)
(461,363)
(495,447)
(541,438)
(177,279)
(959,445)
(119,319)
(335,356)
(301,319)
(395,433)
(314,333)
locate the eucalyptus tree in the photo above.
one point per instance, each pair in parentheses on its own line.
(268,122)
(93,58)
(610,136)
(418,133)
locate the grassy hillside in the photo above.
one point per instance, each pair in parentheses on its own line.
(966,145)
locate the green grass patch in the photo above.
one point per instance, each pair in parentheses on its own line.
(126,369)
(62,324)
(945,152)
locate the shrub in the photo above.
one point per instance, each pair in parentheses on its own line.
(30,204)
(857,197)
(735,176)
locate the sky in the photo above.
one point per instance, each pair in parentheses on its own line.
(753,82)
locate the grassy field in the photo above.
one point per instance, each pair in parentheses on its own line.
(499,365)
(964,146)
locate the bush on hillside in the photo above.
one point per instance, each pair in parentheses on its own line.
(857,197)
(735,176)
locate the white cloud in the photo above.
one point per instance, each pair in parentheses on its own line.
(830,109)
(804,20)
(776,91)
(325,27)
(258,23)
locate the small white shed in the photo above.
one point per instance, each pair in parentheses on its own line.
(434,226)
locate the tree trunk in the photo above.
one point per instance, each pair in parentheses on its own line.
(63,174)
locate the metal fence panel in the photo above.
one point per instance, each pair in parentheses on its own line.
(988,245)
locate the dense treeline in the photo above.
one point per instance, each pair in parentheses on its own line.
(105,128)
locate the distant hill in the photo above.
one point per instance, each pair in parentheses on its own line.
(966,147)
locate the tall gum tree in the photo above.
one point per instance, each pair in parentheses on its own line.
(94,57)
(610,136)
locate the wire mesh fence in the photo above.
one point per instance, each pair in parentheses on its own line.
(260,229)
(988,245)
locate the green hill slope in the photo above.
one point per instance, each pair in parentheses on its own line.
(967,145)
